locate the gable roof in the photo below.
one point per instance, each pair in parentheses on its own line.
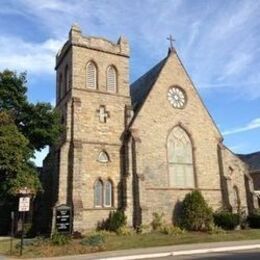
(252,160)
(140,89)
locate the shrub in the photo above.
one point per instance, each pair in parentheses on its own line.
(157,221)
(171,230)
(115,220)
(125,231)
(95,240)
(144,229)
(254,219)
(216,230)
(226,220)
(195,214)
(58,239)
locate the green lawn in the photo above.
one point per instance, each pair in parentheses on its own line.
(115,242)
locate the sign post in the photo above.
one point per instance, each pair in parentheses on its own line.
(24,206)
(63,219)
(12,232)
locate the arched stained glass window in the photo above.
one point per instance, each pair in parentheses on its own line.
(98,193)
(91,75)
(103,193)
(108,194)
(180,160)
(111,79)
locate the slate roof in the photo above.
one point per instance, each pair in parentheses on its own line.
(252,160)
(140,89)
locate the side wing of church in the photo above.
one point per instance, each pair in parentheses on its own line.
(138,148)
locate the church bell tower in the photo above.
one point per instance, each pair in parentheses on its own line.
(93,98)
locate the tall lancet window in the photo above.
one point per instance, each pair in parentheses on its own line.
(67,79)
(108,194)
(91,75)
(60,87)
(180,160)
(111,79)
(98,193)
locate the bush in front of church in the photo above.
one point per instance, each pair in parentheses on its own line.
(195,213)
(254,219)
(227,220)
(115,221)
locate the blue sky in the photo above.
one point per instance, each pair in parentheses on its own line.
(218,42)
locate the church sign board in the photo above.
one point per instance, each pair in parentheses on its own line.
(63,219)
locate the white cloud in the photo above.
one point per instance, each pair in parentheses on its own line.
(34,57)
(218,40)
(255,123)
(237,64)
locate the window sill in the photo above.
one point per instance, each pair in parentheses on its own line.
(170,188)
(100,208)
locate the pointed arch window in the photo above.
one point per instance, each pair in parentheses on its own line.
(108,194)
(103,193)
(98,193)
(180,161)
(236,199)
(67,78)
(91,75)
(60,90)
(111,79)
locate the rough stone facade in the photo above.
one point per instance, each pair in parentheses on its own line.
(135,140)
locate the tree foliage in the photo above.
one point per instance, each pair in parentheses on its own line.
(24,128)
(16,171)
(39,123)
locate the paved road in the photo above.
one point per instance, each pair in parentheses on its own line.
(240,255)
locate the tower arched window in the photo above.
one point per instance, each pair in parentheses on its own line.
(60,87)
(180,161)
(111,79)
(67,78)
(91,75)
(108,192)
(103,193)
(98,193)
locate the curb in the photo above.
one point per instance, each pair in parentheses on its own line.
(185,252)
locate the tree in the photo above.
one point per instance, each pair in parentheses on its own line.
(39,123)
(24,128)
(16,171)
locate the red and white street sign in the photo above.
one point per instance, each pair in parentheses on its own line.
(24,204)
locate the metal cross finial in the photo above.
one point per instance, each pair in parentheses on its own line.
(102,114)
(171,41)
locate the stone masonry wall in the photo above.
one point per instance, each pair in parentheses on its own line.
(153,124)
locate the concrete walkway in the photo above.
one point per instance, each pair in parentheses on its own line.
(155,252)
(4,238)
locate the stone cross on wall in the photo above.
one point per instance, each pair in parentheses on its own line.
(102,114)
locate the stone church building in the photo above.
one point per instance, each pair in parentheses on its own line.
(138,147)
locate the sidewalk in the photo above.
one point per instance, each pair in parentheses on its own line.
(154,252)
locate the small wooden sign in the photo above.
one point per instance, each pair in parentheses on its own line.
(24,204)
(63,219)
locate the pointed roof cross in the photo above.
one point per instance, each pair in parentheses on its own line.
(171,42)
